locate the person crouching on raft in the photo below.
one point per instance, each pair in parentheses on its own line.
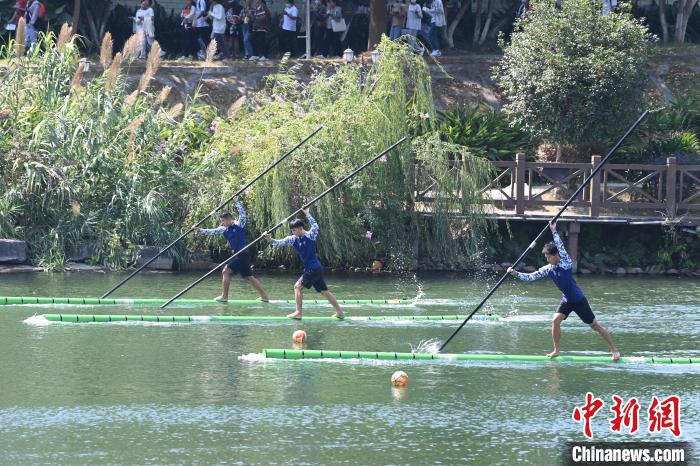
(234,232)
(560,268)
(305,244)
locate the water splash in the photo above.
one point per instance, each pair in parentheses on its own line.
(252,357)
(419,289)
(36,319)
(431,346)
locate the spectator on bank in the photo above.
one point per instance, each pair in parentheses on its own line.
(248,16)
(234,33)
(319,18)
(437,22)
(414,15)
(143,24)
(335,27)
(397,11)
(218,29)
(35,19)
(187,16)
(289,28)
(261,25)
(20,10)
(609,6)
(201,25)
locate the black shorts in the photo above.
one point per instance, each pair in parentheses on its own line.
(241,265)
(581,308)
(314,278)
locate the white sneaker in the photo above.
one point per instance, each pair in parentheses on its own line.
(183,58)
(253,58)
(320,56)
(436,53)
(201,56)
(262,58)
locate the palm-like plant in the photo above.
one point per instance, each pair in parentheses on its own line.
(484,132)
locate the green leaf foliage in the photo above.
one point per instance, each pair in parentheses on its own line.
(571,75)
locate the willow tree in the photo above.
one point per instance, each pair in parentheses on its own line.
(571,75)
(363,111)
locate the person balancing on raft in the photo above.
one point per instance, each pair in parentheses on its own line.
(305,244)
(559,268)
(234,232)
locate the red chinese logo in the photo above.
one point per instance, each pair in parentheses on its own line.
(662,414)
(625,416)
(587,412)
(665,414)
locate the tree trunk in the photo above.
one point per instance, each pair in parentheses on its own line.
(91,32)
(450,31)
(95,18)
(477,22)
(685,9)
(76,17)
(377,22)
(662,18)
(560,146)
(507,18)
(487,24)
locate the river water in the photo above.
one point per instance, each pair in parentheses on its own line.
(131,393)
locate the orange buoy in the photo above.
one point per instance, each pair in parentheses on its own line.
(399,379)
(299,336)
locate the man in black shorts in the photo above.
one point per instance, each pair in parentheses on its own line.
(304,242)
(560,268)
(234,232)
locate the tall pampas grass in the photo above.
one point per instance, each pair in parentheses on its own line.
(211,51)
(64,38)
(164,93)
(20,38)
(106,51)
(77,76)
(131,98)
(113,72)
(175,111)
(132,47)
(152,65)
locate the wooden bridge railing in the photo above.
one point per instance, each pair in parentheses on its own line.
(520,187)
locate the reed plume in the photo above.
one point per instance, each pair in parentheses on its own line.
(20,38)
(64,38)
(113,72)
(106,51)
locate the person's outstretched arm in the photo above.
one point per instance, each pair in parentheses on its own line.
(313,232)
(286,241)
(242,217)
(564,259)
(531,277)
(211,231)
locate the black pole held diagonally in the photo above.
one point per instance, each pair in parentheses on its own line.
(270,230)
(544,230)
(219,207)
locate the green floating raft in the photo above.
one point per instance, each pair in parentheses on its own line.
(101,318)
(124,301)
(387,356)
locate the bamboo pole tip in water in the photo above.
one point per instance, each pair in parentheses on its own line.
(299,336)
(399,379)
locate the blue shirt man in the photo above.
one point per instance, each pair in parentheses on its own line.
(560,269)
(234,232)
(304,242)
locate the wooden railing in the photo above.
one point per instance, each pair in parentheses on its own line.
(521,188)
